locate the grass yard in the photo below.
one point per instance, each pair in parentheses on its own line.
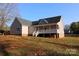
(38,46)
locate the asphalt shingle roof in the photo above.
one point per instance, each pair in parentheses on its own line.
(47,20)
(43,21)
(23,21)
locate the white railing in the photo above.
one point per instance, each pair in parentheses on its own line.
(48,31)
(36,33)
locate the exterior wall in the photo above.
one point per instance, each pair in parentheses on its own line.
(18,29)
(31,30)
(14,26)
(61,29)
(24,30)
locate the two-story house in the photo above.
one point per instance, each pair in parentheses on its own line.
(51,26)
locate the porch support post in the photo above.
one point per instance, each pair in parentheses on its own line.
(43,31)
(49,30)
(54,36)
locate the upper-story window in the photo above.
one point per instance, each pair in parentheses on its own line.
(57,26)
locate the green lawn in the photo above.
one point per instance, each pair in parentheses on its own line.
(32,46)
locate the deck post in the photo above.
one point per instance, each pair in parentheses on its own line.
(54,35)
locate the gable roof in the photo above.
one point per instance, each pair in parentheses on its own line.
(55,19)
(23,21)
(35,22)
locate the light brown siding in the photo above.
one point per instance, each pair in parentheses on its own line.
(14,28)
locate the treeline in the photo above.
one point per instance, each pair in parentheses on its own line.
(73,28)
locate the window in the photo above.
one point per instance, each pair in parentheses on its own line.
(18,29)
(46,27)
(57,27)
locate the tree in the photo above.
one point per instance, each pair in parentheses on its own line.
(75,27)
(67,29)
(8,11)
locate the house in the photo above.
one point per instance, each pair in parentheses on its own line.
(51,26)
(20,27)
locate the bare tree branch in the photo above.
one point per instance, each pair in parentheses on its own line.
(8,11)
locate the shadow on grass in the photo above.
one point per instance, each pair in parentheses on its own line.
(3,47)
(65,45)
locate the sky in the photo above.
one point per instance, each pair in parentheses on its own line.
(35,11)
